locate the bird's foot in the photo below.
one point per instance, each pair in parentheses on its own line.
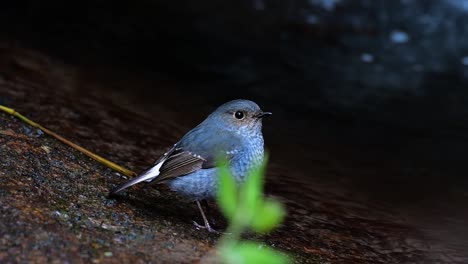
(206,226)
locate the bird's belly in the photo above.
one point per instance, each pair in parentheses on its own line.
(201,184)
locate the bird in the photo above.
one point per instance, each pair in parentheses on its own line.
(233,131)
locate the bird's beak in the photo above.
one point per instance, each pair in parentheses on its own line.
(263,114)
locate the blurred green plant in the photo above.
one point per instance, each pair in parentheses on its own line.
(246,208)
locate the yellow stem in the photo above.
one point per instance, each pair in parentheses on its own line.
(88,153)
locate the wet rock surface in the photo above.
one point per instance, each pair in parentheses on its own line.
(54,204)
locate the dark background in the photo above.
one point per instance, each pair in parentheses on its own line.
(376,90)
(398,61)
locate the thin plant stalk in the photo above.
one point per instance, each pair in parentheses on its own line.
(88,153)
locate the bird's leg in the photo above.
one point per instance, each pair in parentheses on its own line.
(207,224)
(206,207)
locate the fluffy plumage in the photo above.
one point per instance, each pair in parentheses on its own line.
(233,130)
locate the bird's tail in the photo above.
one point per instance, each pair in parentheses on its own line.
(147,176)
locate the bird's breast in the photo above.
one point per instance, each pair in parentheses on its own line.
(250,155)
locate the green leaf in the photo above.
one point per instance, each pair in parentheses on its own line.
(251,191)
(268,216)
(253,253)
(227,192)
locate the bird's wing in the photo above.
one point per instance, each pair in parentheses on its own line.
(181,162)
(198,149)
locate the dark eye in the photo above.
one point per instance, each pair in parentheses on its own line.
(239,115)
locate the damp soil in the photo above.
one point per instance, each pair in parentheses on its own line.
(54,204)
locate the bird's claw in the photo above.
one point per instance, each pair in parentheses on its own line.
(206,226)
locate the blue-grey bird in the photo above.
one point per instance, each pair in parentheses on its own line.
(233,130)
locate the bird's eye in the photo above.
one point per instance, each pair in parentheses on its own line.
(239,115)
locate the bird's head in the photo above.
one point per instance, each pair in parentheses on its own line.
(241,116)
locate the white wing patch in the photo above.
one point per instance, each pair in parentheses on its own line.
(153,172)
(148,176)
